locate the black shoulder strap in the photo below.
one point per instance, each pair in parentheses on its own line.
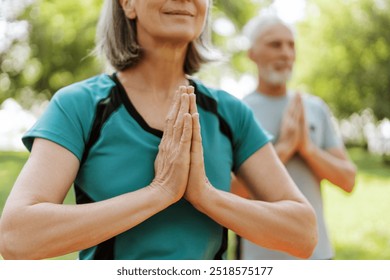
(104,110)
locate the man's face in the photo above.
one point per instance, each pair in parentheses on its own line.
(274,53)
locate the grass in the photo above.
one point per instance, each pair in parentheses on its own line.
(358,223)
(11,163)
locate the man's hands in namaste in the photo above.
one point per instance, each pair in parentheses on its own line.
(294,131)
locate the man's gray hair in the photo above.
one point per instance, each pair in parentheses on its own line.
(257,25)
(116,41)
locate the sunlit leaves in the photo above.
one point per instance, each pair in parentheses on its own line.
(344,50)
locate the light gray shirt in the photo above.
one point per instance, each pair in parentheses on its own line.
(269,112)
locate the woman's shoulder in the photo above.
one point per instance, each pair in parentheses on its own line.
(231,109)
(222,97)
(89,90)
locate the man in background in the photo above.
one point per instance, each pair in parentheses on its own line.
(304,135)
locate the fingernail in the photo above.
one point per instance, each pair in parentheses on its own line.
(190,89)
(183,89)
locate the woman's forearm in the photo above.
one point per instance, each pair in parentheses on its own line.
(285,225)
(43,230)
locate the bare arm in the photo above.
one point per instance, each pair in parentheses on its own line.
(34,206)
(333,165)
(280,218)
(35,224)
(289,131)
(239,188)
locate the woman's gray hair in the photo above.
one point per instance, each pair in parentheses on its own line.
(256,26)
(116,40)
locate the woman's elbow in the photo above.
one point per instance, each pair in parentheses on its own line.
(308,246)
(2,249)
(302,237)
(309,234)
(12,244)
(6,248)
(10,250)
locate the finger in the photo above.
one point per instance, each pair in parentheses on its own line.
(296,109)
(302,108)
(289,113)
(190,89)
(193,108)
(185,140)
(303,114)
(183,89)
(196,135)
(175,105)
(191,93)
(172,114)
(184,108)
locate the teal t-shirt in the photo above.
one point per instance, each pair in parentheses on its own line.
(121,159)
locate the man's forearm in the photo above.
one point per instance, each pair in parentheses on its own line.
(333,166)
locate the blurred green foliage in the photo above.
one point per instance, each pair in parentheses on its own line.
(358,227)
(60,39)
(62,35)
(343,51)
(344,54)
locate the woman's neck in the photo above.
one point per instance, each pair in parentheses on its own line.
(160,72)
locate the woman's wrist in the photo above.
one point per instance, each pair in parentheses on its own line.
(161,194)
(203,196)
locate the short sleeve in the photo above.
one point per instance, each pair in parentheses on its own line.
(248,136)
(64,122)
(332,136)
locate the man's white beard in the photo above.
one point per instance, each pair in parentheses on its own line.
(274,77)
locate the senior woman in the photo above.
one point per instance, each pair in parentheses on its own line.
(150,151)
